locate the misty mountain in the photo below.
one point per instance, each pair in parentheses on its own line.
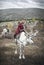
(27,13)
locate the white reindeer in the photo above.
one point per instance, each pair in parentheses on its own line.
(22,41)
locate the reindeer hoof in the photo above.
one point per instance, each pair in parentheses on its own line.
(15,52)
(19,57)
(23,57)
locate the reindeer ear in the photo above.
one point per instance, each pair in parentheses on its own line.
(35,32)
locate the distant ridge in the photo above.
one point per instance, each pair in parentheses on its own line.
(27,13)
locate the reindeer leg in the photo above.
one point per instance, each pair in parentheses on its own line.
(23,56)
(20,52)
(16,47)
(16,51)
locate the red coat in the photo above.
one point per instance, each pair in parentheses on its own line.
(19,28)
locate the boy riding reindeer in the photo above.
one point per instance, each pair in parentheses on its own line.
(23,38)
(19,29)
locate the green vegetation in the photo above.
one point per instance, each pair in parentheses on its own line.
(29,20)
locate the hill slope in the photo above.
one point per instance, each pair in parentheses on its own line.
(12,14)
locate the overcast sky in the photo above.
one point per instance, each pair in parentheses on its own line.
(5,4)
